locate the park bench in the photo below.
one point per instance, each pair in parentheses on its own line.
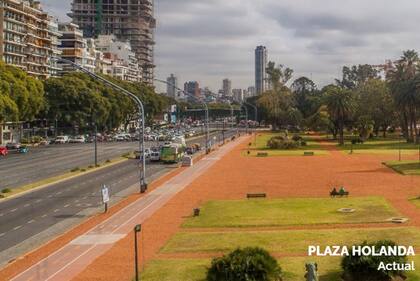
(256,195)
(308,153)
(340,193)
(262,154)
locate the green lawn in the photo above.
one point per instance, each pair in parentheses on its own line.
(416,201)
(411,167)
(285,241)
(263,138)
(381,146)
(293,269)
(291,211)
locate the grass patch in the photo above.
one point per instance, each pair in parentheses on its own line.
(293,269)
(291,211)
(416,201)
(285,241)
(263,138)
(6,190)
(381,146)
(410,167)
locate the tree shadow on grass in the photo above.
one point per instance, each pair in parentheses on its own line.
(331,276)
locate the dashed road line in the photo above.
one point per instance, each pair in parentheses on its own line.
(44,216)
(13,210)
(17,227)
(66,206)
(2,234)
(26,205)
(31,221)
(56,210)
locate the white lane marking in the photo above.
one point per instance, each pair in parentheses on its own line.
(65,206)
(39,200)
(17,227)
(14,210)
(2,234)
(44,216)
(26,205)
(31,221)
(84,198)
(76,201)
(49,196)
(1,214)
(56,210)
(58,193)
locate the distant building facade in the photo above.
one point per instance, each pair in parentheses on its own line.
(227,88)
(193,90)
(260,70)
(238,95)
(171,87)
(128,20)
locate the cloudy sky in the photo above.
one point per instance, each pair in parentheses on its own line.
(208,40)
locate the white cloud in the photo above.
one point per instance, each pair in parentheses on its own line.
(208,40)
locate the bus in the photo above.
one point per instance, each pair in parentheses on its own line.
(172,153)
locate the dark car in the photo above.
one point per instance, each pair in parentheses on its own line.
(3,151)
(13,145)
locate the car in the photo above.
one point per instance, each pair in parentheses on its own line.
(13,145)
(61,139)
(147,152)
(77,139)
(3,151)
(119,138)
(155,156)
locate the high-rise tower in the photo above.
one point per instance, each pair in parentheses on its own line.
(260,70)
(128,20)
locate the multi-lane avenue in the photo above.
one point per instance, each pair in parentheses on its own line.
(33,218)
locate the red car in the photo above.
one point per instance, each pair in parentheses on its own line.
(3,151)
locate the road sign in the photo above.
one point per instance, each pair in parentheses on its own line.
(105,194)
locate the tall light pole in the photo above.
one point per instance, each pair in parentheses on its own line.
(143,183)
(206,108)
(246,116)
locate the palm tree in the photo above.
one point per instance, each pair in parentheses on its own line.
(404,84)
(340,105)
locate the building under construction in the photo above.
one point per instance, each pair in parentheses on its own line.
(129,20)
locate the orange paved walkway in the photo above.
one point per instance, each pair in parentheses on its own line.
(280,177)
(283,176)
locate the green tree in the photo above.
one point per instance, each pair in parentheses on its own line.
(340,105)
(404,84)
(248,264)
(306,96)
(374,102)
(277,103)
(365,268)
(356,75)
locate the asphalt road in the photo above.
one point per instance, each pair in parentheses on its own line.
(30,214)
(39,163)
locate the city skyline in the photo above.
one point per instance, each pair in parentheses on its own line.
(314,40)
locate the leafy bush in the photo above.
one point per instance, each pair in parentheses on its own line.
(2,196)
(248,264)
(24,141)
(6,190)
(365,268)
(282,143)
(108,161)
(303,143)
(296,138)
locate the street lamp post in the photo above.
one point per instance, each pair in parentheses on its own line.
(137,230)
(143,184)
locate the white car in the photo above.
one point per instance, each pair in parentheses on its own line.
(78,139)
(61,139)
(155,156)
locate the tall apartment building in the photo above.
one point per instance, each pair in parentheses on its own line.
(73,45)
(260,70)
(125,63)
(227,88)
(171,90)
(131,20)
(28,37)
(193,89)
(238,95)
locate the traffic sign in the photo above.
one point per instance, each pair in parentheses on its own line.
(105,194)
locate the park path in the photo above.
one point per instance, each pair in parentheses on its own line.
(68,261)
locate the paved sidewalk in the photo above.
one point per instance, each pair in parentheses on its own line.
(67,262)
